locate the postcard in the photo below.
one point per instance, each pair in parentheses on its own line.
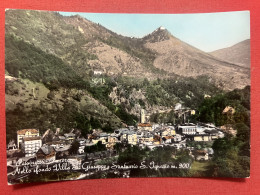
(98,95)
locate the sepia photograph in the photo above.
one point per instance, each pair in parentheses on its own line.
(99,95)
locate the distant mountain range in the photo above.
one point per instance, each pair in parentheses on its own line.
(87,46)
(238,53)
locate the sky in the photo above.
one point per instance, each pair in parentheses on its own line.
(207,31)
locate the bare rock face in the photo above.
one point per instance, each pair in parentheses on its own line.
(112,60)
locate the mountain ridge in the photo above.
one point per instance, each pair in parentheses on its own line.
(238,53)
(87,46)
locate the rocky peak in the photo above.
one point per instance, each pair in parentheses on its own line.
(158,35)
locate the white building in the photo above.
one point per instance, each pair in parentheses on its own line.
(178,106)
(26,133)
(98,72)
(188,129)
(31,145)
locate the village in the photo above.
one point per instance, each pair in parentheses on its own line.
(31,146)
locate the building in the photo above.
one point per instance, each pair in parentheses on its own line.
(146,138)
(178,106)
(144,127)
(142,116)
(168,132)
(56,144)
(98,72)
(26,133)
(81,149)
(103,137)
(132,138)
(192,112)
(177,138)
(201,155)
(11,145)
(47,153)
(82,141)
(202,138)
(69,137)
(31,145)
(112,138)
(188,129)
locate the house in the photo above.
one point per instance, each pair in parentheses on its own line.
(112,138)
(81,149)
(120,131)
(95,141)
(47,153)
(103,137)
(69,137)
(129,136)
(56,144)
(201,155)
(26,133)
(202,138)
(132,128)
(12,161)
(177,138)
(178,106)
(206,135)
(132,138)
(168,132)
(157,140)
(11,145)
(167,139)
(82,141)
(228,128)
(213,133)
(98,72)
(192,112)
(144,127)
(206,96)
(31,145)
(229,110)
(179,145)
(146,138)
(62,138)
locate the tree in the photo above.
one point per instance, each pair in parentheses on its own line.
(74,147)
(95,148)
(243,132)
(145,82)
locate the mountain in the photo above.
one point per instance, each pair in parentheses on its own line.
(238,53)
(88,46)
(184,60)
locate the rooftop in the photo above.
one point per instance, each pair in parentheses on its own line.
(47,149)
(23,131)
(144,125)
(31,138)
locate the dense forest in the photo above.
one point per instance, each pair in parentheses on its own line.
(231,154)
